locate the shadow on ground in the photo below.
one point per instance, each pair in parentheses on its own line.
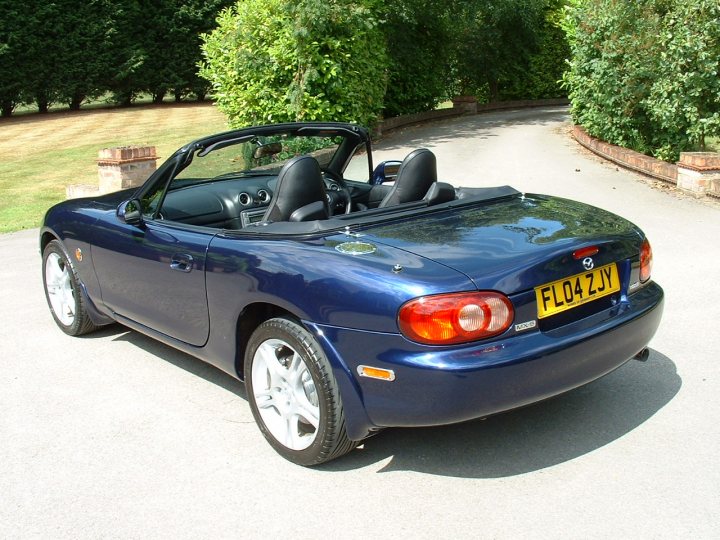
(184,361)
(531,438)
(508,444)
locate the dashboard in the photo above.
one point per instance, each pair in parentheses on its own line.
(231,203)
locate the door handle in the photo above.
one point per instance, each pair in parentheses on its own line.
(181,262)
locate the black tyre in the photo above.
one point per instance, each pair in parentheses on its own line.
(293,394)
(62,291)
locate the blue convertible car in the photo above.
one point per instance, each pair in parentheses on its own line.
(349,297)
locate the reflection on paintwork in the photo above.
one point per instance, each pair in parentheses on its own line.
(511,246)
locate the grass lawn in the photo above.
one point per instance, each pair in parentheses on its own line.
(713,144)
(41,154)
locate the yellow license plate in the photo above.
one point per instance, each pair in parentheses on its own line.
(573,291)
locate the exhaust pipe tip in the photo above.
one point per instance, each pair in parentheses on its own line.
(643,355)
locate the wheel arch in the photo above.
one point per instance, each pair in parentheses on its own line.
(252,316)
(46,237)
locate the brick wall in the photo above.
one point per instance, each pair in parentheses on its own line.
(697,173)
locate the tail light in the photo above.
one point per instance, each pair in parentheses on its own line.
(646,261)
(447,319)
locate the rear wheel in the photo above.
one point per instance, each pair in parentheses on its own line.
(62,291)
(293,394)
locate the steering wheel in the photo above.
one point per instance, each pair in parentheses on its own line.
(340,198)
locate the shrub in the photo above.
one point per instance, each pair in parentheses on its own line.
(684,100)
(644,74)
(279,60)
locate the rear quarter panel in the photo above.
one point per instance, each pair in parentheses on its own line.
(312,279)
(315,282)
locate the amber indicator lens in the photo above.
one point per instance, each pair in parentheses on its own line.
(376,373)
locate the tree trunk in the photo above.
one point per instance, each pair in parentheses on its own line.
(178,95)
(494,90)
(7,108)
(42,105)
(159,96)
(76,101)
(124,99)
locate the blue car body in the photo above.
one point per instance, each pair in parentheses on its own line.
(493,239)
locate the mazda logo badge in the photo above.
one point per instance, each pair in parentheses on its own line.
(588,263)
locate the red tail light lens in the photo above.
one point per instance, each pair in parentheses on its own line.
(646,261)
(447,319)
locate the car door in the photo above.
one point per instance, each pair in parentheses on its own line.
(154,274)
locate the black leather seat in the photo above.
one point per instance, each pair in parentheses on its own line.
(417,173)
(300,192)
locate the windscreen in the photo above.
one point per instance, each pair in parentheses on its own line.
(258,155)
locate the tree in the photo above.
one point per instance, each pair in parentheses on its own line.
(420,47)
(86,50)
(493,43)
(545,67)
(12,69)
(69,51)
(614,46)
(128,48)
(191,19)
(33,53)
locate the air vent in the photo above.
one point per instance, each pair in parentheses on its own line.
(245,199)
(263,196)
(333,186)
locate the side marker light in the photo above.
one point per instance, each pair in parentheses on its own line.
(376,373)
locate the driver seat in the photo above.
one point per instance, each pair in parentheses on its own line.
(300,192)
(417,173)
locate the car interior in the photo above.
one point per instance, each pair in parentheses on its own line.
(301,191)
(294,180)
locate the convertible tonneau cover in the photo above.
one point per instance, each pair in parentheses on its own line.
(464,197)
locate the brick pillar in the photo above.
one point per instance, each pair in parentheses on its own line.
(699,173)
(125,167)
(465,104)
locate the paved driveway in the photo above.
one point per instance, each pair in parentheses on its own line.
(115,435)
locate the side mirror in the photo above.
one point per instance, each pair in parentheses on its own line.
(386,171)
(130,212)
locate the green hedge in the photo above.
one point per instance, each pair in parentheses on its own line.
(71,51)
(646,74)
(276,60)
(279,60)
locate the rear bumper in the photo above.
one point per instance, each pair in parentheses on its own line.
(436,385)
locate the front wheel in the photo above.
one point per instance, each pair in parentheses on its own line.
(293,394)
(62,291)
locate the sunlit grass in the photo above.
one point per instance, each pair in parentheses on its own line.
(41,154)
(712,144)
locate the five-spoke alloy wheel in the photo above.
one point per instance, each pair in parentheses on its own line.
(63,292)
(293,394)
(285,394)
